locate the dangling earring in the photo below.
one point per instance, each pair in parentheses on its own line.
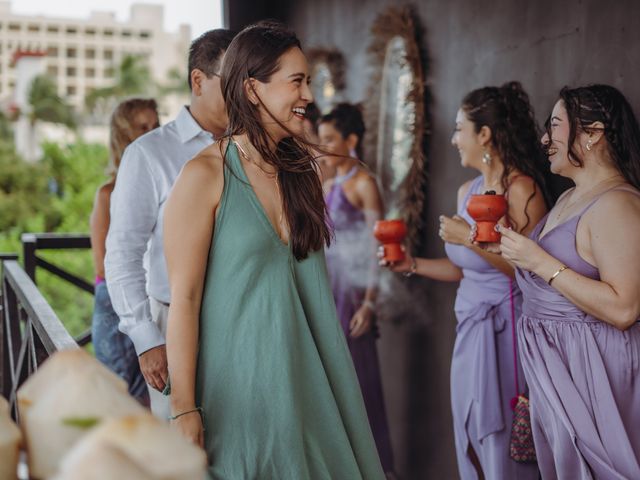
(353,153)
(589,145)
(486,158)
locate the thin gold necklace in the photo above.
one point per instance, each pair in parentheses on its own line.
(269,175)
(248,159)
(569,204)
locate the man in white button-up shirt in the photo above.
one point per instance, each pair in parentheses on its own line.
(147,172)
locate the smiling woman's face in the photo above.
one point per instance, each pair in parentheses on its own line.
(558,144)
(286,95)
(466,140)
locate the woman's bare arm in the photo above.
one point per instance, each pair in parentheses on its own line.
(614,233)
(371,201)
(99,226)
(188,229)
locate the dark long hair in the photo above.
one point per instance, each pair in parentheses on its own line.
(346,118)
(603,103)
(507,112)
(255,53)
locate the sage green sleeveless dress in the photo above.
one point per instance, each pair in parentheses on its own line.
(275,380)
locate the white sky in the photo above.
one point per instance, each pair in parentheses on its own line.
(202,15)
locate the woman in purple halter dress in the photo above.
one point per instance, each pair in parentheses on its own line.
(496,135)
(354,204)
(580,276)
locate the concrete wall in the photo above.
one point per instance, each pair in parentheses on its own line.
(545,45)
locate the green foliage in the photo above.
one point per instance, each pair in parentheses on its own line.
(77,171)
(6,132)
(46,105)
(133,75)
(176,83)
(24,200)
(83,423)
(132,78)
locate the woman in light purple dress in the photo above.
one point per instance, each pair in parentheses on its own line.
(354,204)
(496,135)
(580,276)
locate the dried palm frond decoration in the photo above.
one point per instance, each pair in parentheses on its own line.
(392,24)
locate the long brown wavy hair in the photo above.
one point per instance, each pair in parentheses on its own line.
(255,53)
(606,104)
(506,110)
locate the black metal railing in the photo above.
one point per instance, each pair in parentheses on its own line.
(34,242)
(30,331)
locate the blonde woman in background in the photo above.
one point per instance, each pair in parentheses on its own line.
(131,119)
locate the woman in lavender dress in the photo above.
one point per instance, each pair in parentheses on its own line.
(354,204)
(580,276)
(497,136)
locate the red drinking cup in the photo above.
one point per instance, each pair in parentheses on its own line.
(487,210)
(391,234)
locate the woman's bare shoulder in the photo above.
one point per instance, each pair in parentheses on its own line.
(365,176)
(623,200)
(522,187)
(521,181)
(208,161)
(103,194)
(614,221)
(328,183)
(202,177)
(106,188)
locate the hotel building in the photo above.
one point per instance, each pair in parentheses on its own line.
(83,54)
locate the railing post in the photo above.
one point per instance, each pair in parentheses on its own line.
(6,354)
(33,242)
(29,242)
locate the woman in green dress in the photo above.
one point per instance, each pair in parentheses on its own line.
(260,371)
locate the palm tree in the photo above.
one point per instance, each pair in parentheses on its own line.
(43,105)
(6,132)
(132,78)
(46,105)
(176,83)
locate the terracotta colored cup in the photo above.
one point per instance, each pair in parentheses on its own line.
(486,210)
(391,234)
